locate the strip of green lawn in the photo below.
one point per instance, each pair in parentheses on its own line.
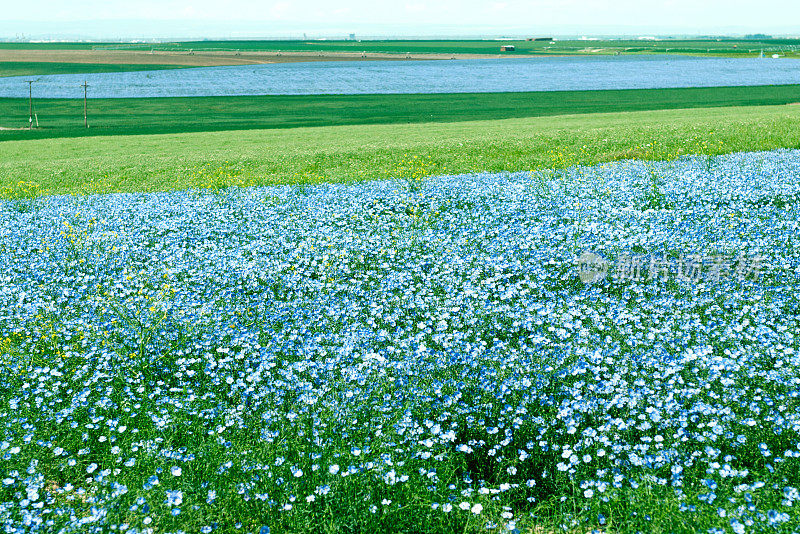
(731,47)
(40,68)
(54,46)
(64,117)
(737,46)
(344,153)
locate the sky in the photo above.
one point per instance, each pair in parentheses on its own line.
(321,18)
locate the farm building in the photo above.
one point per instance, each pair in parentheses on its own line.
(507,48)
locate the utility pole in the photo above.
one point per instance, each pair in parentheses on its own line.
(30,103)
(85,118)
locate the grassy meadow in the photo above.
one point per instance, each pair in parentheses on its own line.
(103,164)
(41,68)
(64,117)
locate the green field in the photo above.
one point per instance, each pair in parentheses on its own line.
(64,117)
(735,47)
(704,46)
(343,153)
(38,68)
(214,52)
(52,46)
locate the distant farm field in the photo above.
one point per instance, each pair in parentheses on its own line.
(39,68)
(43,61)
(737,47)
(209,53)
(732,47)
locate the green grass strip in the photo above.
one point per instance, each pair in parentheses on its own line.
(713,47)
(345,153)
(64,117)
(40,68)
